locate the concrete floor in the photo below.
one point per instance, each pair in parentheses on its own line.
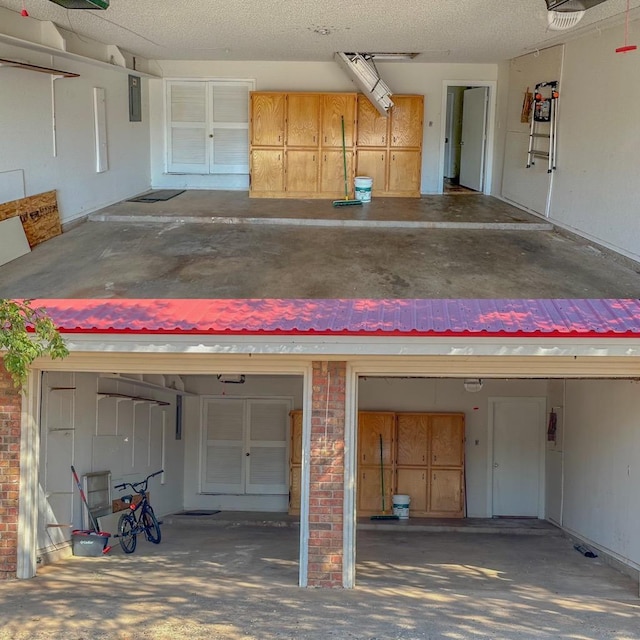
(246,257)
(238,582)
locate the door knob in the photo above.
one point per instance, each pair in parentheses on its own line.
(495,464)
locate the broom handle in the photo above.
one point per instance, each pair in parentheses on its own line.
(382,475)
(344,161)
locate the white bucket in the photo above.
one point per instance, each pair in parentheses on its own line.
(363,186)
(401,506)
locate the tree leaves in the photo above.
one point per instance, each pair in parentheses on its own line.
(26,334)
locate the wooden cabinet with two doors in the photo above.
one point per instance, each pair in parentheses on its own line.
(296,144)
(417,454)
(390,149)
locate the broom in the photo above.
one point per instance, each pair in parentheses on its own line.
(383,516)
(346,202)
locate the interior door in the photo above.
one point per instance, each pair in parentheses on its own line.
(474,124)
(518,428)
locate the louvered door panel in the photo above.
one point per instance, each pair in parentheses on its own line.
(224,465)
(187,149)
(267,446)
(229,127)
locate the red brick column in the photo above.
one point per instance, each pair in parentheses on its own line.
(326,489)
(10,406)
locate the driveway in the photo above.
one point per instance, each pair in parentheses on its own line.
(239,583)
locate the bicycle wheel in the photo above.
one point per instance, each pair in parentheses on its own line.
(126,532)
(150,524)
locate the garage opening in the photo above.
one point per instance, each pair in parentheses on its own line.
(223,442)
(535,458)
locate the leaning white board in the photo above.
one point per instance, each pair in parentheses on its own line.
(13,241)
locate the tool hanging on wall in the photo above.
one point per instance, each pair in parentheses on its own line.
(544,124)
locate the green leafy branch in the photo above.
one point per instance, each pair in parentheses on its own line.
(26,334)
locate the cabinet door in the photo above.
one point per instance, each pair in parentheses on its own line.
(295,482)
(406,121)
(413,482)
(267,170)
(295,455)
(370,490)
(303,119)
(371,426)
(372,126)
(412,440)
(373,164)
(447,440)
(445,492)
(334,108)
(404,172)
(267,119)
(302,171)
(332,180)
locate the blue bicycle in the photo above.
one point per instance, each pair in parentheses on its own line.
(139,518)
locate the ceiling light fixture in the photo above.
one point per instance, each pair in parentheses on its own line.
(562,20)
(231,378)
(82,4)
(382,57)
(473,385)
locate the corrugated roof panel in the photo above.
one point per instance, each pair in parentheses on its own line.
(349,317)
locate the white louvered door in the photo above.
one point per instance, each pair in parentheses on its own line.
(223,468)
(267,468)
(229,105)
(245,445)
(208,126)
(187,146)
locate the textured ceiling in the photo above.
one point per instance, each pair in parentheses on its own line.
(441,30)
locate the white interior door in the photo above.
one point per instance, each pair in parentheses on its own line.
(516,461)
(474,124)
(448,141)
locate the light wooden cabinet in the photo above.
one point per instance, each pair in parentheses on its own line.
(301,176)
(335,106)
(267,170)
(266,124)
(395,142)
(332,171)
(389,150)
(420,454)
(306,129)
(303,119)
(430,463)
(376,453)
(295,462)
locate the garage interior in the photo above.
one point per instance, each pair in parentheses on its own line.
(477,456)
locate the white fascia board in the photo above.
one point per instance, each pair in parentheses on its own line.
(343,346)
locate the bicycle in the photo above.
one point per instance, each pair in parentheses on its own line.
(140,517)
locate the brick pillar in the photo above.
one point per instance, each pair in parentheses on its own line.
(10,407)
(326,489)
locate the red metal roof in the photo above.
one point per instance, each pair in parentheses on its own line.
(402,317)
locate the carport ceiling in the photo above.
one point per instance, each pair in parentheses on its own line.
(472,31)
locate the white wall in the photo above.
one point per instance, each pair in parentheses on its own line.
(255,387)
(425,79)
(26,135)
(594,190)
(527,187)
(94,433)
(602,465)
(427,394)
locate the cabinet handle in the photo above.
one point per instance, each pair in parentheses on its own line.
(278,156)
(325,138)
(382,139)
(382,157)
(314,138)
(314,157)
(435,457)
(279,138)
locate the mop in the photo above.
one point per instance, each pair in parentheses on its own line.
(346,202)
(383,515)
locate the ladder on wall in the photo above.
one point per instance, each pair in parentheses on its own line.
(544,124)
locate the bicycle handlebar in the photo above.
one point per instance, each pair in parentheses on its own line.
(134,485)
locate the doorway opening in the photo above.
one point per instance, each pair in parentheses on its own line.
(467,134)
